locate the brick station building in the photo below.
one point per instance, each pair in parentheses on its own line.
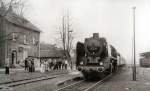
(19,39)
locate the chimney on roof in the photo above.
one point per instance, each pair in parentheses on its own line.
(96,35)
(10,9)
(2,6)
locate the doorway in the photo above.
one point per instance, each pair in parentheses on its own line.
(14,57)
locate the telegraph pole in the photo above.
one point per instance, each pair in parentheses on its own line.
(69,46)
(134,52)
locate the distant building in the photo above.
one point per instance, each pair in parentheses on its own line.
(51,54)
(48,51)
(145,54)
(145,59)
(19,39)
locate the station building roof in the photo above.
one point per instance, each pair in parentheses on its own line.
(51,54)
(13,18)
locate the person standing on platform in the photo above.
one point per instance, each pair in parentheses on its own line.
(26,64)
(42,67)
(32,65)
(55,64)
(7,66)
(66,64)
(46,65)
(50,64)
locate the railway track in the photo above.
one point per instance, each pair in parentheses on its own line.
(83,85)
(27,81)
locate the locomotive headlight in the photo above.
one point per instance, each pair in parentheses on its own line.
(101,63)
(81,63)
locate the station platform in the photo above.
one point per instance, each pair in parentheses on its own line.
(123,81)
(45,85)
(21,74)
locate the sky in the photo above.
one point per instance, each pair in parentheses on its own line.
(112,19)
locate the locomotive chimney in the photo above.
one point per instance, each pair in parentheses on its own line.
(96,35)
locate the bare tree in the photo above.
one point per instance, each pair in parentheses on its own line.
(66,36)
(6,6)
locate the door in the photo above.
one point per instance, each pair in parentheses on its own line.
(14,57)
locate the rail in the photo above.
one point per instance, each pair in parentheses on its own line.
(83,85)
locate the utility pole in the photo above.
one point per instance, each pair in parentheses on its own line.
(69,46)
(134,47)
(39,50)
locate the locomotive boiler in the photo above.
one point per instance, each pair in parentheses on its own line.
(95,57)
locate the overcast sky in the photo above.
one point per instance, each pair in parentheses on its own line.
(112,19)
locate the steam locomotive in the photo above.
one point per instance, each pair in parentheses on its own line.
(96,58)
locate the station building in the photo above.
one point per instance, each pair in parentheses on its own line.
(19,39)
(145,59)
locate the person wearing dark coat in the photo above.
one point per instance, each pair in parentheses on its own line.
(7,66)
(26,64)
(32,65)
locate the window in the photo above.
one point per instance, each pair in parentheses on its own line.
(14,36)
(33,40)
(25,39)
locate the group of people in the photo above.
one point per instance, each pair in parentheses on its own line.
(29,64)
(47,65)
